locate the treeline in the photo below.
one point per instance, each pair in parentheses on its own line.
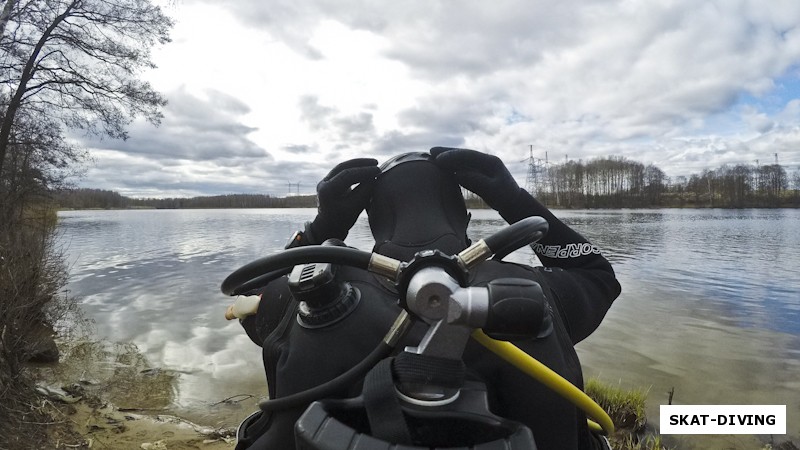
(225,201)
(90,199)
(611,182)
(617,182)
(103,199)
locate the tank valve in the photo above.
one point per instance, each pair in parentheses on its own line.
(324,300)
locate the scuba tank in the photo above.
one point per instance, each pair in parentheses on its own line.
(423,389)
(337,315)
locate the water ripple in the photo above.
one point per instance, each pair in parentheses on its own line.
(707,294)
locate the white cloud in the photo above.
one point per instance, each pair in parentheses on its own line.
(682,84)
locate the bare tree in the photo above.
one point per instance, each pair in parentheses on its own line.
(42,161)
(5,15)
(655,183)
(63,64)
(77,63)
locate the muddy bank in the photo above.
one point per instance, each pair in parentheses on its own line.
(106,395)
(89,424)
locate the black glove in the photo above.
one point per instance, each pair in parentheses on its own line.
(483,174)
(339,205)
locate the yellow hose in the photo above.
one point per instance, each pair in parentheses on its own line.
(529,365)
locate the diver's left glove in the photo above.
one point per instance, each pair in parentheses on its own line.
(339,203)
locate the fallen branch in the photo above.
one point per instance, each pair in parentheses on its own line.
(230,400)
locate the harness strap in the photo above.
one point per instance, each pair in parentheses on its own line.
(386,419)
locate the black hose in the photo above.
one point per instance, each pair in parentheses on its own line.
(253,285)
(512,237)
(331,387)
(519,243)
(288,258)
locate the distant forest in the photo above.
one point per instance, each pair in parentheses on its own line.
(617,182)
(612,182)
(102,199)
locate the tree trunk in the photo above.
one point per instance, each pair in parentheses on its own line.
(25,77)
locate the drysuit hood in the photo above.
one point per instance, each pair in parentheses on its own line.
(416,206)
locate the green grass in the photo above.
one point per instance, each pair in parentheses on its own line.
(626,407)
(631,442)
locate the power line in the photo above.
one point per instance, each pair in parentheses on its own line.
(537,176)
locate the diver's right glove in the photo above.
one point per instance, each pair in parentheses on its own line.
(339,205)
(483,174)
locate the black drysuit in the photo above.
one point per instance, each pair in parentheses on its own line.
(579,285)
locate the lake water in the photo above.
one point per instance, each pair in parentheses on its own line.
(710,305)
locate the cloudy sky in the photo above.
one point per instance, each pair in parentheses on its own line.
(263,94)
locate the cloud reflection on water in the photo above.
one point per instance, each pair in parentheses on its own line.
(709,302)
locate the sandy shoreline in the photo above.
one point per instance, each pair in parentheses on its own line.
(90,424)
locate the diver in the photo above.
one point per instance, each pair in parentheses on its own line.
(414,202)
